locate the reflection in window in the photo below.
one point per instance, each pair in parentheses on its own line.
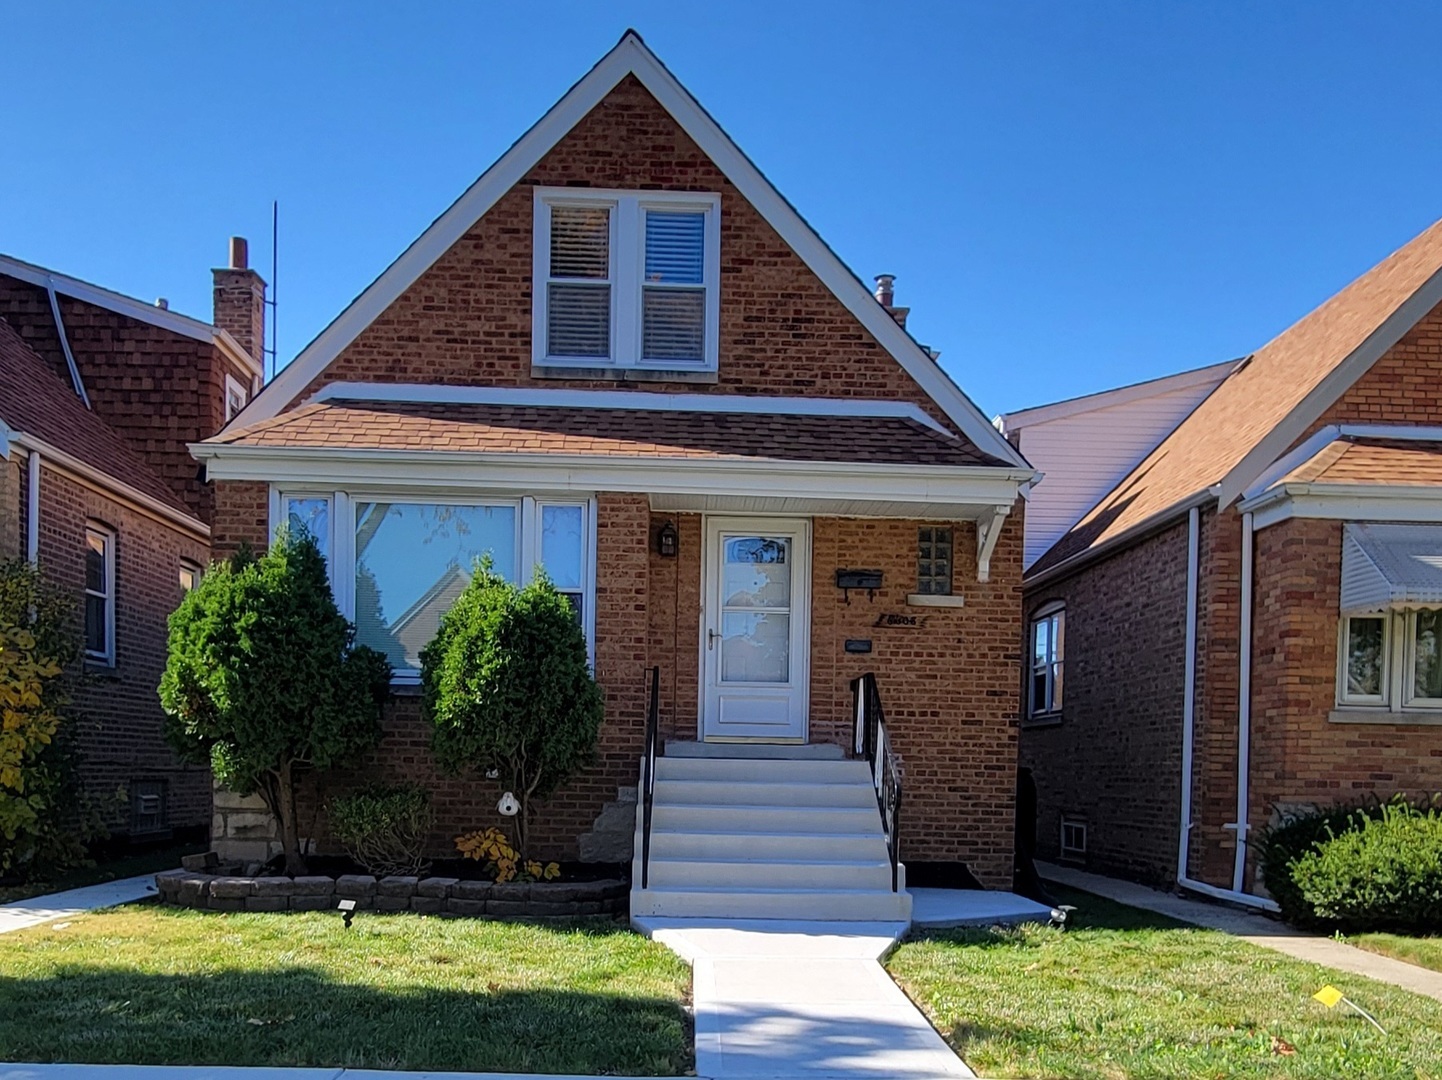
(1366,660)
(1427,654)
(310,515)
(563,553)
(413,560)
(100,595)
(755,647)
(1044,695)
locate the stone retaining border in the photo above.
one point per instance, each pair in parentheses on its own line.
(427,896)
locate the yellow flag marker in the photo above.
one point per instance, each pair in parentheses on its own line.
(1331,997)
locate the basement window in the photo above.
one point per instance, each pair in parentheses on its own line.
(626,279)
(1073,838)
(147,806)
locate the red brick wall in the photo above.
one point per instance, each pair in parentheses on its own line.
(116,710)
(467,320)
(1114,758)
(1403,387)
(158,389)
(1298,756)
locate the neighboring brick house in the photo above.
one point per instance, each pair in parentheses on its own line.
(1248,621)
(622,354)
(99,396)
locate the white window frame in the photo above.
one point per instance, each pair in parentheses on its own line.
(342,561)
(1408,666)
(1055,665)
(234,386)
(1343,633)
(106,536)
(196,572)
(1072,851)
(627,273)
(280,497)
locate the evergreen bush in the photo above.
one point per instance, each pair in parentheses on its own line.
(384,828)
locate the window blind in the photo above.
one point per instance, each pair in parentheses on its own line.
(673,302)
(578,297)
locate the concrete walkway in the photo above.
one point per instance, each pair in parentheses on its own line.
(1253,927)
(799,1000)
(62,905)
(235,1072)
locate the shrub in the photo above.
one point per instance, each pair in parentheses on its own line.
(503,863)
(264,680)
(1281,845)
(507,686)
(1385,873)
(44,821)
(384,828)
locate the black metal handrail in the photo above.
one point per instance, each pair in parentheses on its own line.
(648,773)
(873,743)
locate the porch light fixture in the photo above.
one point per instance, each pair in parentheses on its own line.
(667,541)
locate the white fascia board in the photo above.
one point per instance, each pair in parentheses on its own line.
(1323,437)
(534,397)
(1244,474)
(589,473)
(632,57)
(110,486)
(1345,502)
(108,299)
(232,349)
(1106,399)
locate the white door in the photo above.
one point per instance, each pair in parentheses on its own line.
(755,623)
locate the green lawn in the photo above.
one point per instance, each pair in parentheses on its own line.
(154,985)
(1423,951)
(1127,994)
(148,862)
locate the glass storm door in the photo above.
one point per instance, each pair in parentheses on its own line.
(755,622)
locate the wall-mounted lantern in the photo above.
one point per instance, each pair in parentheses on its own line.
(667,541)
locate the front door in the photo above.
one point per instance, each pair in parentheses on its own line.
(755,623)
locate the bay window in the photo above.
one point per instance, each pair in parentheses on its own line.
(400,562)
(626,279)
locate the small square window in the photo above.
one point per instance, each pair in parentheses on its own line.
(933,561)
(1073,838)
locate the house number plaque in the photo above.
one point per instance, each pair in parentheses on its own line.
(896,620)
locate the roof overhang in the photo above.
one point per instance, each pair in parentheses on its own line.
(1345,502)
(1390,567)
(631,57)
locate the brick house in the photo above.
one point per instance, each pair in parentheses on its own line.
(100,394)
(622,354)
(1245,619)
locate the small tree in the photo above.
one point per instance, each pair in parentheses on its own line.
(264,680)
(508,687)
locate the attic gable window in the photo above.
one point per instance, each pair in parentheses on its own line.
(626,279)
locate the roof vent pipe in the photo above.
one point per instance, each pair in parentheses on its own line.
(162,303)
(239,253)
(885,289)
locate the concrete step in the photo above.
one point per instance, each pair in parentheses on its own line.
(727,875)
(763,793)
(763,818)
(786,751)
(862,905)
(759,770)
(729,844)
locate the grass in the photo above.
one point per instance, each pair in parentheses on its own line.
(1423,951)
(148,862)
(1125,994)
(153,985)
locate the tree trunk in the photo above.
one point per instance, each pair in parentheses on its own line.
(289,827)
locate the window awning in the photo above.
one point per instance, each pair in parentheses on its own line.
(1385,567)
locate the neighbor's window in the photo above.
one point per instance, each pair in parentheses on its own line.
(235,397)
(99,594)
(1047,636)
(189,575)
(933,561)
(1073,838)
(1364,656)
(628,279)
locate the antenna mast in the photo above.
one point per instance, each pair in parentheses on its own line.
(270,353)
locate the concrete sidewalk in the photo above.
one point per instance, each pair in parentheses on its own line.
(233,1072)
(62,905)
(1253,927)
(798,1000)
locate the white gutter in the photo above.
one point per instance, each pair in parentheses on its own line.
(1244,709)
(1233,895)
(32,508)
(65,341)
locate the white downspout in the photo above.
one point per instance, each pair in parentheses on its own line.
(1184,880)
(1244,711)
(32,508)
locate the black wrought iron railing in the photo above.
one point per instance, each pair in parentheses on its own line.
(648,773)
(873,743)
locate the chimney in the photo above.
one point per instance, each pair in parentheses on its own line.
(240,300)
(886,295)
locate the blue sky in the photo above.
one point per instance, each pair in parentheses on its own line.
(1072,195)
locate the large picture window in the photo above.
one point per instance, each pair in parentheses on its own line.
(627,279)
(1047,653)
(1391,660)
(398,564)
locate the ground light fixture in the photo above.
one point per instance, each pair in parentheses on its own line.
(347,911)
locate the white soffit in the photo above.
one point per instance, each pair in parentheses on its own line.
(1390,566)
(630,57)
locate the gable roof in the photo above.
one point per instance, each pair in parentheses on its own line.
(631,57)
(1268,402)
(128,306)
(35,402)
(1203,379)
